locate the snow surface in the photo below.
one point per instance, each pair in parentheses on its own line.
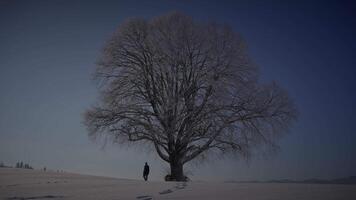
(22,184)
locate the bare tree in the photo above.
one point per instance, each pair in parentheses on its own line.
(188,88)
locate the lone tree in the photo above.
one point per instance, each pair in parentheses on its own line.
(186,87)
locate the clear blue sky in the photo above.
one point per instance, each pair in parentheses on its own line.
(48,51)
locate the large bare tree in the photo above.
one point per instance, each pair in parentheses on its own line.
(186,87)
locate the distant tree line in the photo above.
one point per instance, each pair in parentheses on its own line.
(18,165)
(23,165)
(2,165)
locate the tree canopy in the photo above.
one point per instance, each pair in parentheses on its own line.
(188,88)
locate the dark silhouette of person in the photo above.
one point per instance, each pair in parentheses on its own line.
(146,171)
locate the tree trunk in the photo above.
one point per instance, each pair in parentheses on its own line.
(177,171)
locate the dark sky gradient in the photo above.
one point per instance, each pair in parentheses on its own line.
(48,51)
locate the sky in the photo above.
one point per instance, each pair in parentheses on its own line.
(48,51)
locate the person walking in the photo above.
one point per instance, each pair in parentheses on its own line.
(146,171)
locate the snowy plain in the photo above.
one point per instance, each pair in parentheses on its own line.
(23,184)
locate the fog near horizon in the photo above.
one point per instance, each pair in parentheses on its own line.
(47,57)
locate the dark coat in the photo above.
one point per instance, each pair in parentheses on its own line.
(146,170)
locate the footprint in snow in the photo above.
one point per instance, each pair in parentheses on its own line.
(166,191)
(145,197)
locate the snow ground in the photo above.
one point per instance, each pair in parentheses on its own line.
(22,184)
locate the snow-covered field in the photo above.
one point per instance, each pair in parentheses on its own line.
(22,184)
